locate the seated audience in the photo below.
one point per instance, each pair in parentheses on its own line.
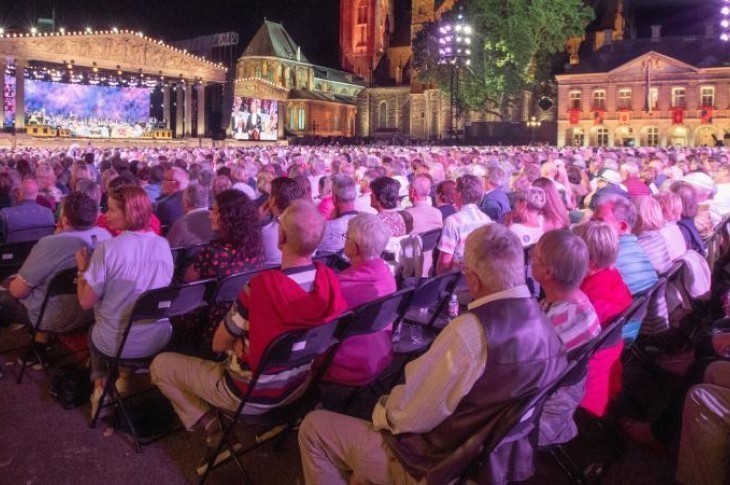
(554,212)
(111,279)
(686,223)
(425,218)
(51,254)
(263,186)
(169,208)
(528,208)
(116,183)
(426,419)
(343,196)
(362,203)
(559,264)
(362,358)
(648,226)
(26,220)
(385,199)
(446,197)
(284,191)
(194,227)
(495,203)
(299,295)
(469,192)
(609,296)
(325,204)
(49,195)
(671,205)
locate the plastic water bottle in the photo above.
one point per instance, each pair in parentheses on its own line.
(453,307)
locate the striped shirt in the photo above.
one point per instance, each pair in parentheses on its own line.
(575,323)
(456,229)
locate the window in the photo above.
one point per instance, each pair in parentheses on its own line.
(707,96)
(653,101)
(302,119)
(383,115)
(258,71)
(652,136)
(602,137)
(624,98)
(575,100)
(361,24)
(678,98)
(599,99)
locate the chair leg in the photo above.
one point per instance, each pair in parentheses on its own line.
(104,394)
(225,441)
(24,364)
(120,403)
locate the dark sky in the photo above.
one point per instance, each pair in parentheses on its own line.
(312,23)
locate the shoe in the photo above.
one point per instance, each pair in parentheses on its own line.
(96,400)
(33,362)
(213,438)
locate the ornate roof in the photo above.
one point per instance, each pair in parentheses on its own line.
(272,40)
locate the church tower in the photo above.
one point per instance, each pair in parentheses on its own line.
(365,29)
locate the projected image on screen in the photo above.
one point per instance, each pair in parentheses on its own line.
(9,100)
(88,111)
(254,119)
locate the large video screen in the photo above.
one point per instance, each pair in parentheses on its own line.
(9,100)
(88,111)
(255,119)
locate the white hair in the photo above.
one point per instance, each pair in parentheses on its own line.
(369,233)
(496,255)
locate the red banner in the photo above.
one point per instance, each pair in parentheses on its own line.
(706,115)
(624,117)
(598,116)
(677,116)
(574,115)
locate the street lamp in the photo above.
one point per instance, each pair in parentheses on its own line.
(533,123)
(454,52)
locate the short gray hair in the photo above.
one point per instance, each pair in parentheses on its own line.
(196,196)
(496,255)
(566,254)
(601,240)
(343,187)
(370,234)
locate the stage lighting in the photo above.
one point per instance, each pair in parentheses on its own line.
(34,30)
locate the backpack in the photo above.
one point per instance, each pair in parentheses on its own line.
(70,387)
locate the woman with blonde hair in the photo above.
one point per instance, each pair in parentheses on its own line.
(648,231)
(554,213)
(671,205)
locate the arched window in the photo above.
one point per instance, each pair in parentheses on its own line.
(258,71)
(383,114)
(293,122)
(361,24)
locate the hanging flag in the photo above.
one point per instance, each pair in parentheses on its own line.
(598,117)
(677,116)
(624,117)
(706,115)
(574,116)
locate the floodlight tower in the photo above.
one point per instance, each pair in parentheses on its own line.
(454,52)
(725,21)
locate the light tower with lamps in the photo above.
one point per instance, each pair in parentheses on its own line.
(725,22)
(454,53)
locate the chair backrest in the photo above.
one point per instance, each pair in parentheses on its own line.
(374,316)
(29,234)
(435,290)
(334,261)
(430,239)
(167,302)
(12,257)
(62,283)
(230,287)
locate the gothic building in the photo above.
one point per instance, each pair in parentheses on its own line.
(311,99)
(375,41)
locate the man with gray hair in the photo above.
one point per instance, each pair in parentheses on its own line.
(26,220)
(362,202)
(169,208)
(343,197)
(495,203)
(425,217)
(416,429)
(195,226)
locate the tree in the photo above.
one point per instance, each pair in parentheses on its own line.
(513,42)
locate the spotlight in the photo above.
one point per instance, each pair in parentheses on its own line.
(62,30)
(34,30)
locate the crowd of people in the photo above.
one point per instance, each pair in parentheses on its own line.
(552,244)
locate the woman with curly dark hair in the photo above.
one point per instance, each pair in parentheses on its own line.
(384,198)
(237,247)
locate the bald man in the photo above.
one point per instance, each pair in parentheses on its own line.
(297,296)
(26,220)
(425,217)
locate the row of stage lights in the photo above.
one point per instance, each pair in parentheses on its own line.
(455,42)
(34,32)
(95,78)
(725,22)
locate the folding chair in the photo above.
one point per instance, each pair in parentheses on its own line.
(12,257)
(334,261)
(294,350)
(184,256)
(152,305)
(430,239)
(428,303)
(230,287)
(62,283)
(29,234)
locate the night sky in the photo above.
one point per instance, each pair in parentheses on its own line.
(312,23)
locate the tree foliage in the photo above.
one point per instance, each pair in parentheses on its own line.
(513,42)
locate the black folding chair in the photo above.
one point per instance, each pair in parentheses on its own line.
(334,261)
(296,349)
(182,257)
(430,239)
(426,307)
(152,305)
(230,287)
(12,257)
(62,283)
(27,234)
